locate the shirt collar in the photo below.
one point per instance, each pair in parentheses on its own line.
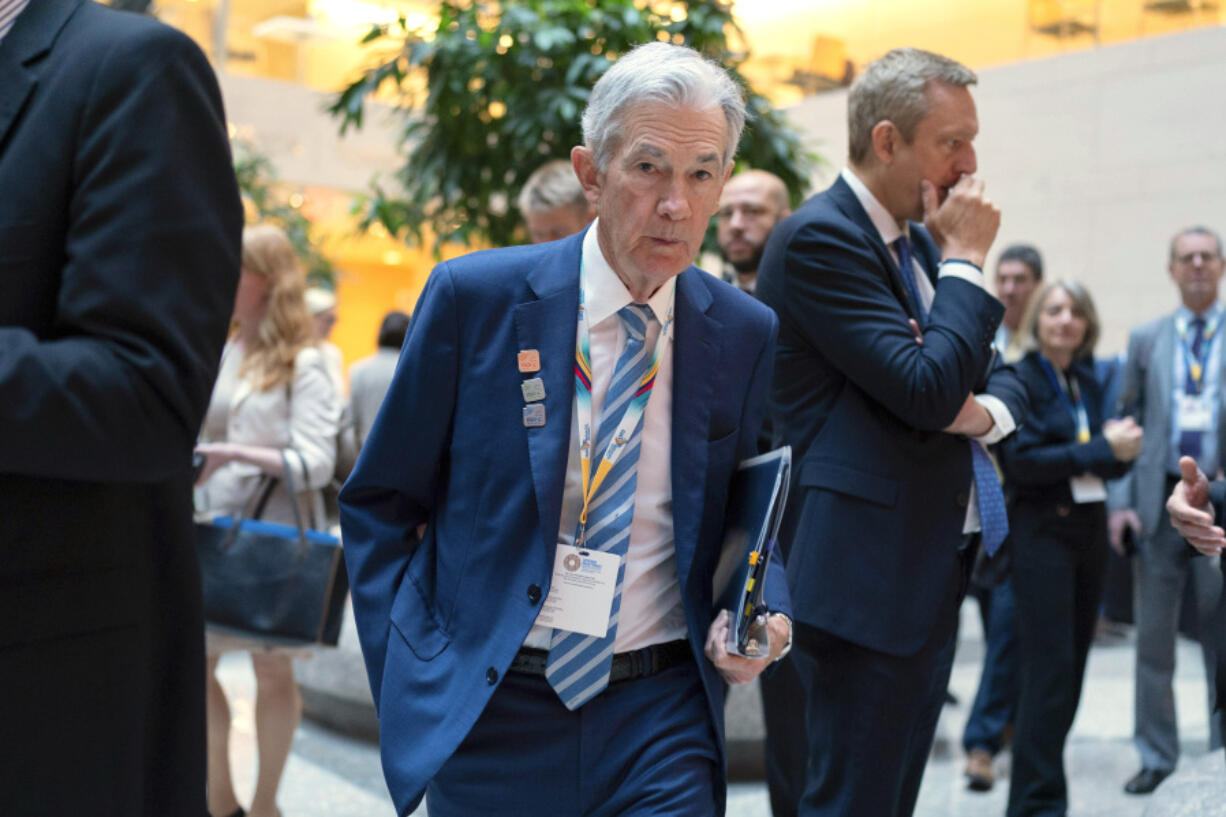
(1210,315)
(886,226)
(606,294)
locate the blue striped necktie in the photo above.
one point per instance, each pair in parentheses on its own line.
(9,11)
(907,267)
(578,665)
(1191,443)
(993,518)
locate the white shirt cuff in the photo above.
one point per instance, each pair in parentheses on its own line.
(962,269)
(1002,420)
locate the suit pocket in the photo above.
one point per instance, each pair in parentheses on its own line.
(413,617)
(850,481)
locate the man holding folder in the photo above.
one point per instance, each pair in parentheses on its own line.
(575,412)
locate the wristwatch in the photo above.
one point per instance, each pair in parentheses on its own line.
(787,648)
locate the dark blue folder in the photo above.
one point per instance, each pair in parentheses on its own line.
(751,525)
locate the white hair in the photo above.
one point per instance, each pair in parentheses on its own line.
(659,72)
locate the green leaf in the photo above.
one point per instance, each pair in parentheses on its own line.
(460,154)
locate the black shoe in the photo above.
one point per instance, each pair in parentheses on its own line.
(1146,780)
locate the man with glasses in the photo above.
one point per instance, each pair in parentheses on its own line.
(1173,386)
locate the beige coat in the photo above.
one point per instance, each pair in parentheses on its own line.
(300,419)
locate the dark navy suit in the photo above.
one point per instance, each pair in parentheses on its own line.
(120,224)
(880,496)
(441,618)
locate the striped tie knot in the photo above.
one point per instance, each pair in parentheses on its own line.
(635,318)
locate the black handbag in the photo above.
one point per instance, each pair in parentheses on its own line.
(282,584)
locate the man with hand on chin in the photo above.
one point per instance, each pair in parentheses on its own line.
(894,492)
(576,411)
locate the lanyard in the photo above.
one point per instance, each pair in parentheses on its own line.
(583,397)
(1196,365)
(1072,399)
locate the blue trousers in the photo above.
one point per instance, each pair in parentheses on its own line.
(872,716)
(787,748)
(996,701)
(871,720)
(642,747)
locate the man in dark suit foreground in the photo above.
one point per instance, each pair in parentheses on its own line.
(884,389)
(566,419)
(119,257)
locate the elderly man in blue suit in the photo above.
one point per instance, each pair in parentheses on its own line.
(533,525)
(885,389)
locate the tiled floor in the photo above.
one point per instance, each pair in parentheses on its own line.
(329,775)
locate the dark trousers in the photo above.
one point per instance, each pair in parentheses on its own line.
(109,720)
(787,749)
(643,747)
(996,700)
(871,716)
(1059,568)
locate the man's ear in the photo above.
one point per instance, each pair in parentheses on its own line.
(584,163)
(886,141)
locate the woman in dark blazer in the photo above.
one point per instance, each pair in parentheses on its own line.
(1054,469)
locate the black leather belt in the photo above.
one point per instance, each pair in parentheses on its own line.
(627,666)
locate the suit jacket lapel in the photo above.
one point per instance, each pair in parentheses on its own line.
(926,252)
(30,39)
(845,199)
(1162,363)
(695,355)
(548,324)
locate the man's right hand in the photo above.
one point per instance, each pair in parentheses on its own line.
(1190,511)
(973,419)
(965,224)
(1125,437)
(1117,522)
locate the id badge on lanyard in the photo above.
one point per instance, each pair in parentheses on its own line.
(584,581)
(1194,410)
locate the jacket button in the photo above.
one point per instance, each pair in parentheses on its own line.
(534,593)
(491,676)
(963,500)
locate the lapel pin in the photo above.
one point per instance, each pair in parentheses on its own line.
(534,389)
(529,361)
(534,415)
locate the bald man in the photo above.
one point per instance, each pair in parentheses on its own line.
(754,201)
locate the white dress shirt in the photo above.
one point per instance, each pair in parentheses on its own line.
(890,231)
(651,610)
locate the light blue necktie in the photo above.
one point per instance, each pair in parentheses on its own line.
(578,665)
(993,518)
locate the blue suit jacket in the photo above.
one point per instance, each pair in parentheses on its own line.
(440,618)
(880,492)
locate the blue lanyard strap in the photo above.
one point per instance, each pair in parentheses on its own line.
(1072,399)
